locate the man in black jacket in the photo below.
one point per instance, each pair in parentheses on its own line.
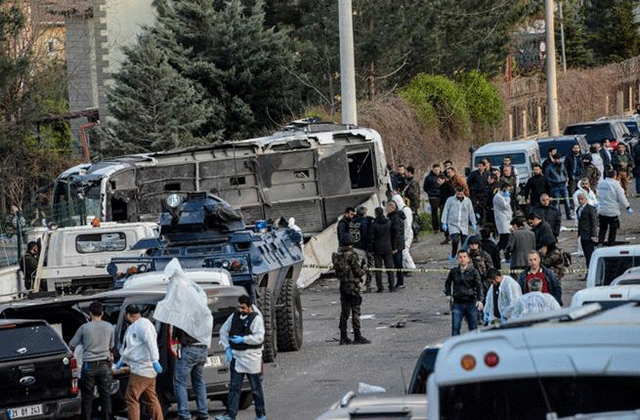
(587,226)
(446,191)
(343,224)
(380,246)
(479,189)
(575,169)
(549,214)
(540,227)
(432,189)
(359,230)
(464,285)
(397,241)
(536,186)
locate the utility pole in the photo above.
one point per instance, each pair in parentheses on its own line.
(552,89)
(564,56)
(347,65)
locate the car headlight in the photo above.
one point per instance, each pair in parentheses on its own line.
(174,200)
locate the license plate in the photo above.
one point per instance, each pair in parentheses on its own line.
(27,411)
(213,361)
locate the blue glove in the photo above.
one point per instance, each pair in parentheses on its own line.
(444,227)
(474,227)
(119,364)
(237,339)
(157,367)
(629,210)
(229,353)
(486,319)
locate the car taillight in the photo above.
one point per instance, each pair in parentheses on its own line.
(73,367)
(491,359)
(174,344)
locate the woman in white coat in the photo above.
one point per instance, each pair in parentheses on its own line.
(407,261)
(503,214)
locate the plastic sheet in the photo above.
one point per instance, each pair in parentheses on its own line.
(185,305)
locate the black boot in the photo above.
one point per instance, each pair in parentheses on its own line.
(344,338)
(359,339)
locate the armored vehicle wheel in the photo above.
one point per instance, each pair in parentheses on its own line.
(266,303)
(289,314)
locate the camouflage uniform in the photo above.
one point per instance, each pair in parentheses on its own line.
(346,264)
(482,262)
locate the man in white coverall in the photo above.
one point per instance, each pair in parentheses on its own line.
(140,352)
(242,336)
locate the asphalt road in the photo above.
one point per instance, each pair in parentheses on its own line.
(303,384)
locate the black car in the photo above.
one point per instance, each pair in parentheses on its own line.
(37,371)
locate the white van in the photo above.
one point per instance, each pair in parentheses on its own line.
(607,263)
(558,364)
(523,153)
(607,296)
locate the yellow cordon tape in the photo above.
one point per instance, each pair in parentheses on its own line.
(436,270)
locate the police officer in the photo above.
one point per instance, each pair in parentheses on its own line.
(242,336)
(346,264)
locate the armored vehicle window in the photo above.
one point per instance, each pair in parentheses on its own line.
(101,242)
(361,169)
(237,180)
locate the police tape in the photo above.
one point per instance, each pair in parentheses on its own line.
(436,270)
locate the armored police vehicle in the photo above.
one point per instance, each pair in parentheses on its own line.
(202,230)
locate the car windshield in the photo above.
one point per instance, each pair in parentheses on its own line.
(24,341)
(496,160)
(593,132)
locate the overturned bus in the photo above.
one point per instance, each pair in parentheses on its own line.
(309,170)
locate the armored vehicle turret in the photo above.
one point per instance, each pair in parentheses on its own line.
(202,230)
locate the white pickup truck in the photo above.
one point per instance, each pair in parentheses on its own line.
(77,256)
(74,258)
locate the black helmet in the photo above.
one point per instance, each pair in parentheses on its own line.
(347,239)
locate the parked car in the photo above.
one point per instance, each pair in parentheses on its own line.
(597,131)
(38,373)
(607,296)
(631,276)
(563,145)
(412,405)
(633,125)
(607,263)
(67,313)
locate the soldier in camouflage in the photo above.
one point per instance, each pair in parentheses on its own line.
(481,261)
(346,264)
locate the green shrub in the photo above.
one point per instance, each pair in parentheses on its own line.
(440,97)
(424,221)
(483,99)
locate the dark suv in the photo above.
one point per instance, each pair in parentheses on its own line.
(597,131)
(37,371)
(67,313)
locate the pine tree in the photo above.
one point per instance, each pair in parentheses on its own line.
(612,30)
(155,108)
(577,52)
(244,67)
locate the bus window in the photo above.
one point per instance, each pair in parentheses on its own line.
(361,169)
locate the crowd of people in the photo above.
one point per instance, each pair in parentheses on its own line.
(489,219)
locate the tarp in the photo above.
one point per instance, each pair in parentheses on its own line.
(185,305)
